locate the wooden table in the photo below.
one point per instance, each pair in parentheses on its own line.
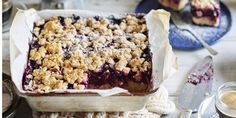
(224,62)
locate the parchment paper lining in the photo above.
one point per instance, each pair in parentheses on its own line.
(164,60)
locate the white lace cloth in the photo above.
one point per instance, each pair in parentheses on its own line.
(157,105)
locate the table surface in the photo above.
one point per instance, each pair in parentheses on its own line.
(224,62)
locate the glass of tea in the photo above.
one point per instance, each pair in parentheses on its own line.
(226,100)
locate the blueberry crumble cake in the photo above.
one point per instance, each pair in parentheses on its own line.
(174,4)
(205,12)
(89,53)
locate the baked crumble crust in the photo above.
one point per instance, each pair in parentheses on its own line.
(204,3)
(205,12)
(64,50)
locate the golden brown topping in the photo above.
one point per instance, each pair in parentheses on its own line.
(51,26)
(90,22)
(136,62)
(34,55)
(37,54)
(96,24)
(137,52)
(126,69)
(104,21)
(123,26)
(52,60)
(103,29)
(42,41)
(74,75)
(121,64)
(69,50)
(140,36)
(41,74)
(68,21)
(145,66)
(53,48)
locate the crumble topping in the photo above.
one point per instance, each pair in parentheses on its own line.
(205,12)
(64,50)
(204,3)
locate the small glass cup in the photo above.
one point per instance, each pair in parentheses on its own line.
(10,100)
(6,11)
(226,100)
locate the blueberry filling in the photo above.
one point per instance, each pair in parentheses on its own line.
(212,13)
(194,79)
(108,78)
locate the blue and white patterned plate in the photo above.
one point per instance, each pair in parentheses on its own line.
(184,40)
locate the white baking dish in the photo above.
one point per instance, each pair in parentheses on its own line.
(164,64)
(85,102)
